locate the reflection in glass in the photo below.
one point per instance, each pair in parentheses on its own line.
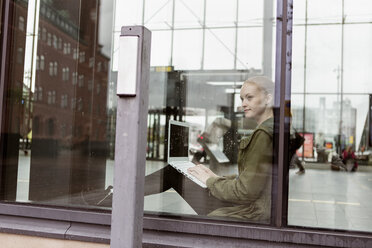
(330,75)
(245,195)
(200,60)
(56,133)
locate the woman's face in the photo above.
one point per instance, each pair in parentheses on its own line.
(254,101)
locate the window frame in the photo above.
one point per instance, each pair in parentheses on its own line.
(168,227)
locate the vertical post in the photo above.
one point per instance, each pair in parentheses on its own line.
(267,38)
(282,109)
(130,147)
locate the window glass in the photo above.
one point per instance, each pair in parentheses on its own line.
(329,185)
(190,14)
(56,141)
(355,13)
(250,13)
(195,109)
(318,11)
(187,51)
(220,13)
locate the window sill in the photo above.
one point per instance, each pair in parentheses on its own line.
(168,232)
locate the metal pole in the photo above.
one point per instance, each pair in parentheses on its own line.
(130,148)
(281,109)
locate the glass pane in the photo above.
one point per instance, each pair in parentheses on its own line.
(158,14)
(320,11)
(358,10)
(324,58)
(221,40)
(187,52)
(162,41)
(357,59)
(299,8)
(220,13)
(250,12)
(197,73)
(189,14)
(330,103)
(249,50)
(298,59)
(56,130)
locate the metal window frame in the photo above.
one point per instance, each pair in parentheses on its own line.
(85,224)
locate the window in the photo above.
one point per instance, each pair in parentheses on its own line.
(50,98)
(201,55)
(59,43)
(65,74)
(55,68)
(50,127)
(91,62)
(80,104)
(64,101)
(98,88)
(21,23)
(73,103)
(90,84)
(81,81)
(20,55)
(44,34)
(49,41)
(75,54)
(82,57)
(37,62)
(68,49)
(42,62)
(74,78)
(40,93)
(55,42)
(51,69)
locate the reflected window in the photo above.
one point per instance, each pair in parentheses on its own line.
(42,62)
(81,81)
(74,78)
(37,62)
(90,84)
(44,34)
(82,57)
(55,42)
(59,43)
(75,53)
(91,62)
(49,41)
(50,127)
(21,23)
(65,74)
(20,55)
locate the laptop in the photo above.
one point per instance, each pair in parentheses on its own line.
(178,149)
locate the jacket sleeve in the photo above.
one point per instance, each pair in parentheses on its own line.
(248,186)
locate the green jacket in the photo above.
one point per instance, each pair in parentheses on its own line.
(250,191)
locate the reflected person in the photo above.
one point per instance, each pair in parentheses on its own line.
(247,195)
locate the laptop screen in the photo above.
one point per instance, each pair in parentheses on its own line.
(179,140)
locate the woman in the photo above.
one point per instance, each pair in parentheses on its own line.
(243,196)
(250,191)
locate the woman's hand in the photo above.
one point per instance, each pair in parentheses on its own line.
(201,172)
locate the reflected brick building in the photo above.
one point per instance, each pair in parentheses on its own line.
(66,107)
